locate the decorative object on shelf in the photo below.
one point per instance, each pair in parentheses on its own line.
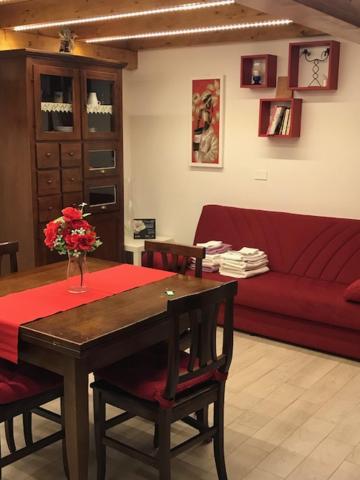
(58,97)
(144,228)
(92,99)
(72,235)
(280,117)
(67,40)
(258,71)
(324,56)
(207,112)
(314,65)
(56,107)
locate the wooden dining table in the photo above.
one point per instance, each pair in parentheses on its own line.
(76,342)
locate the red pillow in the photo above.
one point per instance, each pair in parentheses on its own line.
(352,293)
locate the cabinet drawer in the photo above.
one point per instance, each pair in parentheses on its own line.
(49,207)
(71,179)
(71,155)
(103,194)
(48,182)
(72,199)
(47,155)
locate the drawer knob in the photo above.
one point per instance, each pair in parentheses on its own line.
(71,154)
(102,171)
(49,181)
(50,208)
(48,154)
(72,179)
(103,207)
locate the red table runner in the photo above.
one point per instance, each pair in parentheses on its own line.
(28,305)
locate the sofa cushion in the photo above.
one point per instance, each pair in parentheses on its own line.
(352,292)
(309,246)
(301,297)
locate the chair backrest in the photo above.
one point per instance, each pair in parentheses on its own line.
(199,313)
(10,248)
(175,257)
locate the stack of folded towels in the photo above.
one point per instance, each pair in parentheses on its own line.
(244,263)
(214,249)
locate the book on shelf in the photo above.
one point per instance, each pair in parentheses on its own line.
(275,120)
(289,123)
(285,123)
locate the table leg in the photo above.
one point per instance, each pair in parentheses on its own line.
(76,405)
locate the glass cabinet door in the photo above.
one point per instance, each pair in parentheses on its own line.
(102,195)
(102,159)
(101,91)
(57,103)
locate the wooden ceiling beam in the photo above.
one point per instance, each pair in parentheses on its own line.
(197,18)
(308,13)
(40,11)
(12,40)
(250,35)
(345,10)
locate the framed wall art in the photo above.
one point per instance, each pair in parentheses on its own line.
(207,122)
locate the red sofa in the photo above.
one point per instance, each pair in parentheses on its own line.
(312,261)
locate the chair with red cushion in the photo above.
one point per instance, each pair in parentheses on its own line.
(173,256)
(166,386)
(23,389)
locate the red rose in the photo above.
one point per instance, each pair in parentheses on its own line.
(76,224)
(72,241)
(87,241)
(71,213)
(51,232)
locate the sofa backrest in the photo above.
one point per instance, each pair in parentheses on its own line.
(309,246)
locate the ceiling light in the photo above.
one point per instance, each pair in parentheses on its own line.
(220,28)
(119,16)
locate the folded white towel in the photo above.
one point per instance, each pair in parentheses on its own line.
(252,273)
(236,256)
(210,244)
(244,266)
(248,251)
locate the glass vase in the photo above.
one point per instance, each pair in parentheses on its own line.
(77,273)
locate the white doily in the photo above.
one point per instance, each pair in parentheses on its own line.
(56,107)
(104,109)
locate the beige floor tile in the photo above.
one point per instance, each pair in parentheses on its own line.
(258,474)
(274,433)
(322,462)
(306,438)
(347,471)
(281,462)
(313,372)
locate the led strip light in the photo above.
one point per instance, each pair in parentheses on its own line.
(188,31)
(119,16)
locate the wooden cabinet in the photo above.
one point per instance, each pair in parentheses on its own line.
(61,119)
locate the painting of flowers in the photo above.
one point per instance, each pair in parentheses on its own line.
(206,123)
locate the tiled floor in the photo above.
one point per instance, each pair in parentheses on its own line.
(290,414)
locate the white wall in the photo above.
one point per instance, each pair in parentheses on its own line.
(319,173)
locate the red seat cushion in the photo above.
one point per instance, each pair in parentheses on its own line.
(22,381)
(144,375)
(352,292)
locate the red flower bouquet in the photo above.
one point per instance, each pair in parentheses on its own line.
(71,234)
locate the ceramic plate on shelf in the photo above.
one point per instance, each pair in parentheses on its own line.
(64,129)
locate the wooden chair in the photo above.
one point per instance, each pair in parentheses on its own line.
(168,387)
(175,257)
(11,249)
(23,391)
